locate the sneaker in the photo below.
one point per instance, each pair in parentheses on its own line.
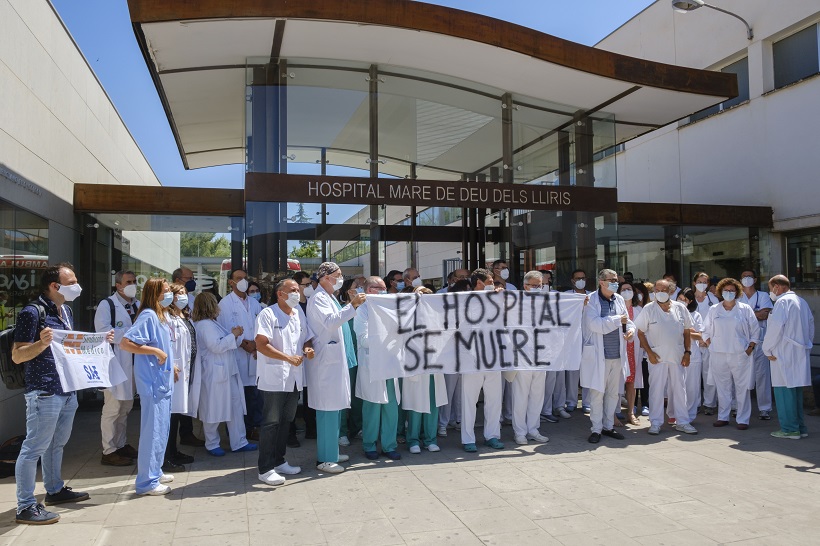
(171,466)
(344,441)
(166,478)
(115,459)
(182,458)
(654,430)
(247,447)
(563,414)
(612,433)
(764,416)
(36,514)
(371,455)
(160,489)
(442,432)
(586,409)
(707,410)
(645,411)
(594,438)
(720,423)
(415,450)
(433,448)
(293,441)
(217,452)
(742,426)
(343,458)
(271,478)
(470,448)
(359,435)
(127,451)
(65,495)
(540,438)
(494,443)
(549,418)
(330,468)
(570,408)
(288,470)
(521,440)
(787,435)
(672,421)
(804,434)
(394,455)
(687,428)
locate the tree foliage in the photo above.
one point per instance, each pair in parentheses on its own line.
(205,245)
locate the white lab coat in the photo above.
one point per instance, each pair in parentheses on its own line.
(328,379)
(232,313)
(215,347)
(181,359)
(121,324)
(731,332)
(286,333)
(637,350)
(789,336)
(415,394)
(372,391)
(594,327)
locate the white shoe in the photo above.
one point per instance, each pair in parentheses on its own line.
(166,478)
(288,470)
(271,478)
(687,428)
(432,448)
(343,458)
(540,438)
(521,440)
(564,414)
(415,450)
(359,434)
(158,490)
(654,430)
(344,441)
(442,431)
(330,468)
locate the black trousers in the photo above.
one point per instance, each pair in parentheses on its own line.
(278,410)
(644,392)
(171,447)
(186,425)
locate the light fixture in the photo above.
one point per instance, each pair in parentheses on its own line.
(683,6)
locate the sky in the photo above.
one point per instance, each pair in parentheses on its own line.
(102,29)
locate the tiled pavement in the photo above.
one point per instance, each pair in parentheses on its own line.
(721,486)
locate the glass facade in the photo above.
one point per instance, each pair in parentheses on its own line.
(23,256)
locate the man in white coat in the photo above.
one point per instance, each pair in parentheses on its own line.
(788,345)
(572,377)
(237,309)
(761,304)
(282,344)
(327,375)
(604,363)
(119,399)
(664,329)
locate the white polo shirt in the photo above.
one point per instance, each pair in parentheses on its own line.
(287,333)
(664,330)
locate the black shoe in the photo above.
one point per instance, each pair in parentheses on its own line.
(65,495)
(36,514)
(612,433)
(594,438)
(394,455)
(293,441)
(171,466)
(181,458)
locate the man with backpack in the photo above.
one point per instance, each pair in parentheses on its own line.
(49,410)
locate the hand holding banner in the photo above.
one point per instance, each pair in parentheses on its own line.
(85,360)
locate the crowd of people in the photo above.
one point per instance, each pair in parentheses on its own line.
(652,350)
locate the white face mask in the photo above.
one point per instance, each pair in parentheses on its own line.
(130,291)
(70,291)
(701,287)
(531,289)
(242,285)
(580,284)
(505,274)
(182,301)
(338,284)
(167,299)
(489,287)
(627,295)
(309,291)
(728,296)
(747,281)
(416,282)
(640,297)
(661,297)
(293,299)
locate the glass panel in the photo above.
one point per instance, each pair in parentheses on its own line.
(642,250)
(741,69)
(23,256)
(803,259)
(721,252)
(795,57)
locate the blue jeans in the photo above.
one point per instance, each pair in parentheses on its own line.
(49,418)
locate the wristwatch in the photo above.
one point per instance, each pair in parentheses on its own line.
(687,352)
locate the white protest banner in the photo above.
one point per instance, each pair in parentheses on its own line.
(466,332)
(85,360)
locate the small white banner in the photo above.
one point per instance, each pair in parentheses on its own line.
(467,332)
(85,360)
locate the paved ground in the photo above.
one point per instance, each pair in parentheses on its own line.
(721,486)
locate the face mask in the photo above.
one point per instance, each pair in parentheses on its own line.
(167,299)
(242,285)
(400,286)
(382,292)
(505,274)
(256,295)
(728,296)
(360,290)
(640,297)
(530,289)
(130,291)
(309,291)
(651,296)
(661,297)
(580,284)
(627,295)
(190,286)
(338,284)
(182,301)
(747,281)
(293,300)
(70,292)
(612,287)
(773,296)
(489,287)
(416,282)
(701,287)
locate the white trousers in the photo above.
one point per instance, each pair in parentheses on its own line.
(709,391)
(236,425)
(507,405)
(555,392)
(691,382)
(603,405)
(573,380)
(471,386)
(113,422)
(451,412)
(726,369)
(667,378)
(763,379)
(528,398)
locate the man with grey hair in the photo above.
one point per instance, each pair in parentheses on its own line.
(411,278)
(606,330)
(327,375)
(118,312)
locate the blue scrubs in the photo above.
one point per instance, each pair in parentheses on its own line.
(155,385)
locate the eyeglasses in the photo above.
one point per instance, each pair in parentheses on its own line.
(305,283)
(579,278)
(253,291)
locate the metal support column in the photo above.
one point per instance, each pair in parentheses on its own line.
(373,108)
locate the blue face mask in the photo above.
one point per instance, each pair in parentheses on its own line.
(400,285)
(729,296)
(360,290)
(613,286)
(256,295)
(167,299)
(382,291)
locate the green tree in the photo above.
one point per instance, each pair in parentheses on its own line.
(306,249)
(203,244)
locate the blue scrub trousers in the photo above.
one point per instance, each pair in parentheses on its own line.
(380,417)
(423,424)
(327,436)
(790,409)
(155,423)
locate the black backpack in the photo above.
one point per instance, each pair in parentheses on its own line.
(14,375)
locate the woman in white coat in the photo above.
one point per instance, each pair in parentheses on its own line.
(731,332)
(222,398)
(705,300)
(634,353)
(692,373)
